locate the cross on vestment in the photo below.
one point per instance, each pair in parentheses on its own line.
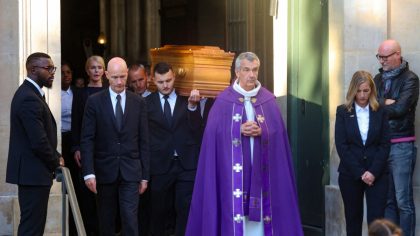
(238,218)
(237,117)
(237,167)
(236,142)
(260,118)
(237,193)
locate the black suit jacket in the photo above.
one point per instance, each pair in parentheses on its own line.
(356,158)
(80,96)
(107,152)
(33,139)
(183,136)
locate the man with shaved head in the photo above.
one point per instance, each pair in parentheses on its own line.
(398,92)
(115,150)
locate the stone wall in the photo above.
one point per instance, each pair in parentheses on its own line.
(26,26)
(357,27)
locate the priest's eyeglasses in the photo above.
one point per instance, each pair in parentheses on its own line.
(50,69)
(384,58)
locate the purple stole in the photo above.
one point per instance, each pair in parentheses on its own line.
(245,203)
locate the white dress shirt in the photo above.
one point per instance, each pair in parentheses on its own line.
(171,100)
(146,93)
(114,99)
(362,114)
(36,85)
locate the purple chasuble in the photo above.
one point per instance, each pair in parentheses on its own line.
(227,183)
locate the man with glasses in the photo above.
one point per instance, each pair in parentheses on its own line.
(32,148)
(398,92)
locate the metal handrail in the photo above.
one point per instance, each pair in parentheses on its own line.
(63,175)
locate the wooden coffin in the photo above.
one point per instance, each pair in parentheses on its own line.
(205,68)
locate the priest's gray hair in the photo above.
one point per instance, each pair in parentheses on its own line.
(250,56)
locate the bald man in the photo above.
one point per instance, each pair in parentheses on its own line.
(398,92)
(115,150)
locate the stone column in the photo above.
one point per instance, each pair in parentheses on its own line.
(152,25)
(117,28)
(26,26)
(133,30)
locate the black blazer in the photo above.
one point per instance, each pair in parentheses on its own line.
(107,152)
(80,96)
(183,136)
(356,158)
(33,139)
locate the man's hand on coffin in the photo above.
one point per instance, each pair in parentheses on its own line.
(194,99)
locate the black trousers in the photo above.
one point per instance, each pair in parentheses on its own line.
(352,192)
(33,202)
(182,183)
(144,213)
(126,196)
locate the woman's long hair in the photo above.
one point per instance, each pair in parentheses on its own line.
(360,77)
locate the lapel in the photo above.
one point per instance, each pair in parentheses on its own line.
(373,116)
(354,125)
(156,104)
(177,110)
(107,106)
(35,90)
(129,102)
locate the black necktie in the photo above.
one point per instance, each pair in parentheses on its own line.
(119,113)
(167,110)
(43,97)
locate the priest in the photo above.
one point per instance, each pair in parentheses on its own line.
(245,182)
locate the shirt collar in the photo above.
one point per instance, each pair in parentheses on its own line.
(114,94)
(36,85)
(172,95)
(68,91)
(361,109)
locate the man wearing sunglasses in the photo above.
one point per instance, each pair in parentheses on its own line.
(398,92)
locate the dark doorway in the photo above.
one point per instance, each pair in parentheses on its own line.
(308,108)
(179,22)
(79,33)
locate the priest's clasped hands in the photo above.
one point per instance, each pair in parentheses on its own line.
(250,128)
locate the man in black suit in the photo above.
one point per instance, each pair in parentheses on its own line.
(174,145)
(32,148)
(115,150)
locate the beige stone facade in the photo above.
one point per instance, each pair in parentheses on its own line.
(26,26)
(356,28)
